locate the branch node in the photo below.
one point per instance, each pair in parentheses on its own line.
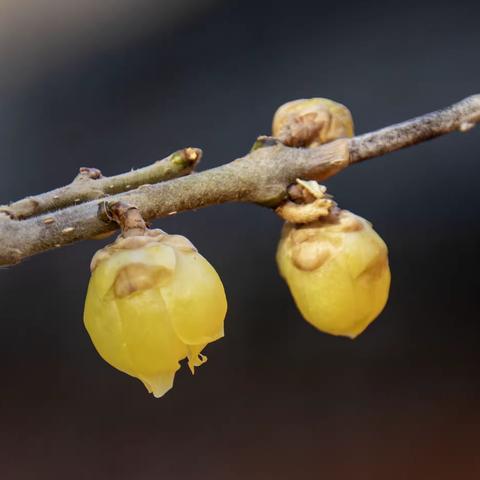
(128,217)
(22,209)
(264,141)
(90,172)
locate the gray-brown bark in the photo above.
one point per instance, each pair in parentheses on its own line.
(261,177)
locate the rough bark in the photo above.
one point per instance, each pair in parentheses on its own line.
(262,177)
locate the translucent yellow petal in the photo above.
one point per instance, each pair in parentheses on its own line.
(195,358)
(151,341)
(362,248)
(325,297)
(133,333)
(195,300)
(372,288)
(103,324)
(155,255)
(159,384)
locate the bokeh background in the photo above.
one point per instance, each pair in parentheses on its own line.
(120,83)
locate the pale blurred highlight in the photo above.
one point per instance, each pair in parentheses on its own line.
(39,35)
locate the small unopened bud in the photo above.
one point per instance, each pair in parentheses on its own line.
(311,122)
(337,271)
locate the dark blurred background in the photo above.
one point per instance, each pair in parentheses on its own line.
(119,84)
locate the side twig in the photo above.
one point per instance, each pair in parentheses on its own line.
(89,184)
(261,177)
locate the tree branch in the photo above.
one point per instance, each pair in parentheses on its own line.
(89,184)
(461,116)
(261,177)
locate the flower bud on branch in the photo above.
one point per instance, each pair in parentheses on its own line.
(152,301)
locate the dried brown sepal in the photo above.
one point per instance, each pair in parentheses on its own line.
(309,201)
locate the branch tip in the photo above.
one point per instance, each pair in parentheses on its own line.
(90,184)
(187,157)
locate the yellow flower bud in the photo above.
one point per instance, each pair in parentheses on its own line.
(337,271)
(152,301)
(312,122)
